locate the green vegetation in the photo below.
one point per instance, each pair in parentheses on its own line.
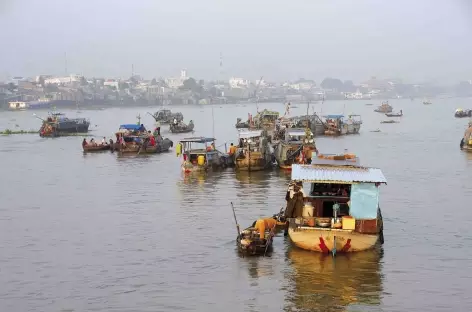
(10,132)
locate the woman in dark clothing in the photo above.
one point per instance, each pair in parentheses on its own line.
(295,198)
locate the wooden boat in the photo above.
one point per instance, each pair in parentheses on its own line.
(466,141)
(181,127)
(400,114)
(254,152)
(384,108)
(165,116)
(96,148)
(336,125)
(264,120)
(388,121)
(249,242)
(200,154)
(460,113)
(314,122)
(57,124)
(345,214)
(137,140)
(295,147)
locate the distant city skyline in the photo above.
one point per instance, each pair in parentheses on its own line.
(416,41)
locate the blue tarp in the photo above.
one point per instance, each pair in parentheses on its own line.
(132,127)
(334,116)
(364,201)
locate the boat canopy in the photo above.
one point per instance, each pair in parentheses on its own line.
(296,132)
(197,140)
(132,127)
(337,174)
(246,134)
(334,116)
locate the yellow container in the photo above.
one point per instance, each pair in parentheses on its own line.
(349,223)
(470,142)
(201,160)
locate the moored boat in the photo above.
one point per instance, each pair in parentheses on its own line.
(384,108)
(336,125)
(165,116)
(200,154)
(181,127)
(240,124)
(254,152)
(297,147)
(57,124)
(341,212)
(466,141)
(96,148)
(460,113)
(133,138)
(400,114)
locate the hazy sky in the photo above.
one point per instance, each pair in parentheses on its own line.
(413,39)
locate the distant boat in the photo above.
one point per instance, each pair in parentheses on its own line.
(400,114)
(384,108)
(426,102)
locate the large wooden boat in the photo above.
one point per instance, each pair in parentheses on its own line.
(344,199)
(264,120)
(384,108)
(133,138)
(181,127)
(297,147)
(254,152)
(314,122)
(57,124)
(199,154)
(337,125)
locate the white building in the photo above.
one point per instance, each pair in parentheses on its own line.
(175,83)
(62,80)
(238,83)
(112,83)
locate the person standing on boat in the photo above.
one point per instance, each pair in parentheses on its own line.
(295,198)
(84,143)
(104,141)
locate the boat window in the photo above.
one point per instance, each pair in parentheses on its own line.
(327,209)
(330,189)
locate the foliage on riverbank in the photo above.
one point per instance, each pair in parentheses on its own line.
(10,132)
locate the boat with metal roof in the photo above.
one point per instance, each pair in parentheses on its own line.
(341,211)
(337,125)
(254,151)
(297,147)
(199,154)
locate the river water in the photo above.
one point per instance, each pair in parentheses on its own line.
(99,232)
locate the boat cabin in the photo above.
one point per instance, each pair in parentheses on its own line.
(337,189)
(266,118)
(17,105)
(250,140)
(199,151)
(297,136)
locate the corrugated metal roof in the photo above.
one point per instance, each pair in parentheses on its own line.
(246,134)
(341,174)
(295,131)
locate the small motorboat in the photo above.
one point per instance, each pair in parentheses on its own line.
(376,130)
(388,121)
(400,114)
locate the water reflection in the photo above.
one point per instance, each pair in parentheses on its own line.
(258,267)
(323,283)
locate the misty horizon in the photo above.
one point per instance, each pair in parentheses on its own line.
(421,41)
